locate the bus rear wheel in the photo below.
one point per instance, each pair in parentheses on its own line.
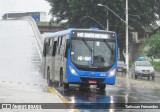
(49,81)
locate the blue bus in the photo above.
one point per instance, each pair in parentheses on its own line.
(80,56)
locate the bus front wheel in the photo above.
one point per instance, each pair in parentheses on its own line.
(66,85)
(101,86)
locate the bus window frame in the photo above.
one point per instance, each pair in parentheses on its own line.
(47,47)
(62,45)
(51,43)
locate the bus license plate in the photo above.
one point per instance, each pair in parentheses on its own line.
(92,81)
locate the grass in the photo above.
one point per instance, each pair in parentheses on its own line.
(156,65)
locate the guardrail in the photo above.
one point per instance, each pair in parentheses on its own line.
(35,29)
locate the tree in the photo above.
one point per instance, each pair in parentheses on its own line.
(86,13)
(153,46)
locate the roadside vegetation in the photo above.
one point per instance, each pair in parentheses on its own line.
(156,65)
(152,49)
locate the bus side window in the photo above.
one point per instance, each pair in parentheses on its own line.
(51,47)
(62,47)
(57,46)
(61,40)
(54,48)
(66,49)
(45,48)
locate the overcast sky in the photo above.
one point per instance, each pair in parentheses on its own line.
(9,6)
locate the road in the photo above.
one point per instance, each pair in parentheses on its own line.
(126,90)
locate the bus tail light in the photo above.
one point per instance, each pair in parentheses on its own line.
(112,73)
(72,70)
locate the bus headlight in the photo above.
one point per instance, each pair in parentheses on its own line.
(112,73)
(72,70)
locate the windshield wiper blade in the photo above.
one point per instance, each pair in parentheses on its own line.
(112,50)
(90,49)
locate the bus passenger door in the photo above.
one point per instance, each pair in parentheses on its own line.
(58,60)
(63,58)
(65,55)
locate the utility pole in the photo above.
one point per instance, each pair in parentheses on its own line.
(107,24)
(126,23)
(127,58)
(107,21)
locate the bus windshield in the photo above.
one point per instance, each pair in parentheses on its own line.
(93,53)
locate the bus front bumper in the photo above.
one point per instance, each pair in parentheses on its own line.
(75,79)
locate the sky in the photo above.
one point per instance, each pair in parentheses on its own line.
(9,6)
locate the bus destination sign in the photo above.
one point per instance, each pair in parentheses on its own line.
(92,35)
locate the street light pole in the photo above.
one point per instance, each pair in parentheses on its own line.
(107,22)
(127,58)
(126,23)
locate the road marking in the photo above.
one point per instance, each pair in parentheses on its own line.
(135,80)
(139,81)
(127,86)
(23,83)
(51,90)
(119,85)
(54,91)
(63,99)
(145,86)
(154,87)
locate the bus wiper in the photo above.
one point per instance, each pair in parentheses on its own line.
(109,46)
(90,49)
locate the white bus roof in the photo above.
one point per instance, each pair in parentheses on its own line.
(52,34)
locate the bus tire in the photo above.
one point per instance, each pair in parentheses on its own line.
(101,86)
(66,86)
(61,76)
(135,76)
(49,81)
(153,77)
